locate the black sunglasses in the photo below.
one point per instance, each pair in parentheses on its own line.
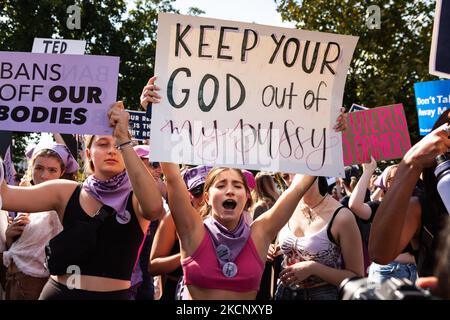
(197,191)
(155,165)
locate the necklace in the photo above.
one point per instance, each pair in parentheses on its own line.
(307,211)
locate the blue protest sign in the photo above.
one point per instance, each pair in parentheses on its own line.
(139,125)
(432,99)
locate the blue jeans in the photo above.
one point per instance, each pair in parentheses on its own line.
(325,292)
(379,273)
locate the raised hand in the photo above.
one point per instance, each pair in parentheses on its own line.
(149,93)
(371,166)
(118,119)
(424,153)
(341,121)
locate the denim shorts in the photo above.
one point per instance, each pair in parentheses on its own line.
(379,273)
(325,292)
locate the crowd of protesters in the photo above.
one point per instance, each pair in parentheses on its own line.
(137,229)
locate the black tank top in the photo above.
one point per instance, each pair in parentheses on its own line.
(117,245)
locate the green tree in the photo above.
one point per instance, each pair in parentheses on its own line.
(387,61)
(107,28)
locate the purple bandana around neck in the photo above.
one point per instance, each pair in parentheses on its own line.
(113,192)
(235,240)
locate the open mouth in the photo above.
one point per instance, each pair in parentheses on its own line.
(229,204)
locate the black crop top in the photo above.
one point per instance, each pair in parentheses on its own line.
(117,245)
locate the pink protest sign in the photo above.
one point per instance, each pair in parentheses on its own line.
(57,93)
(380,132)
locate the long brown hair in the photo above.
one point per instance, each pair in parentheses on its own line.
(205,209)
(265,191)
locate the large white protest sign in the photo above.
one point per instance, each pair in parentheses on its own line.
(58,46)
(249,96)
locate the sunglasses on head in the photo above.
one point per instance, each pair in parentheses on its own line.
(197,191)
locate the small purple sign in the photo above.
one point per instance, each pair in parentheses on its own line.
(57,93)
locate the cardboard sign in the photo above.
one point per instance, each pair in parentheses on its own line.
(249,96)
(380,132)
(139,125)
(58,46)
(432,99)
(57,93)
(440,45)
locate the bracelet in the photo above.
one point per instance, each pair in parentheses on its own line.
(123,145)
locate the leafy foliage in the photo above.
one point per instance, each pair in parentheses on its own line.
(387,61)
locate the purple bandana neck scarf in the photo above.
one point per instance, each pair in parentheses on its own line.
(113,192)
(234,240)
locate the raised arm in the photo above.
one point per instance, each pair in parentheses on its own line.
(356,201)
(144,186)
(271,221)
(46,196)
(187,220)
(399,215)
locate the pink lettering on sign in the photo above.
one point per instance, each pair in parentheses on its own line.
(379,132)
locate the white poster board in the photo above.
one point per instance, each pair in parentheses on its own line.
(249,96)
(58,46)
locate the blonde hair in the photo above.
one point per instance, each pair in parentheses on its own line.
(205,209)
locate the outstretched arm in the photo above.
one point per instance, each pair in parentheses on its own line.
(399,215)
(46,196)
(144,186)
(356,201)
(271,221)
(188,223)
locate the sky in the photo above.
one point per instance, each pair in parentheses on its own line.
(257,11)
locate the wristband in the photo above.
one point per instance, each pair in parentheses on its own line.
(123,145)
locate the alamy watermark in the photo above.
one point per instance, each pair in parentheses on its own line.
(74,19)
(74,280)
(373,17)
